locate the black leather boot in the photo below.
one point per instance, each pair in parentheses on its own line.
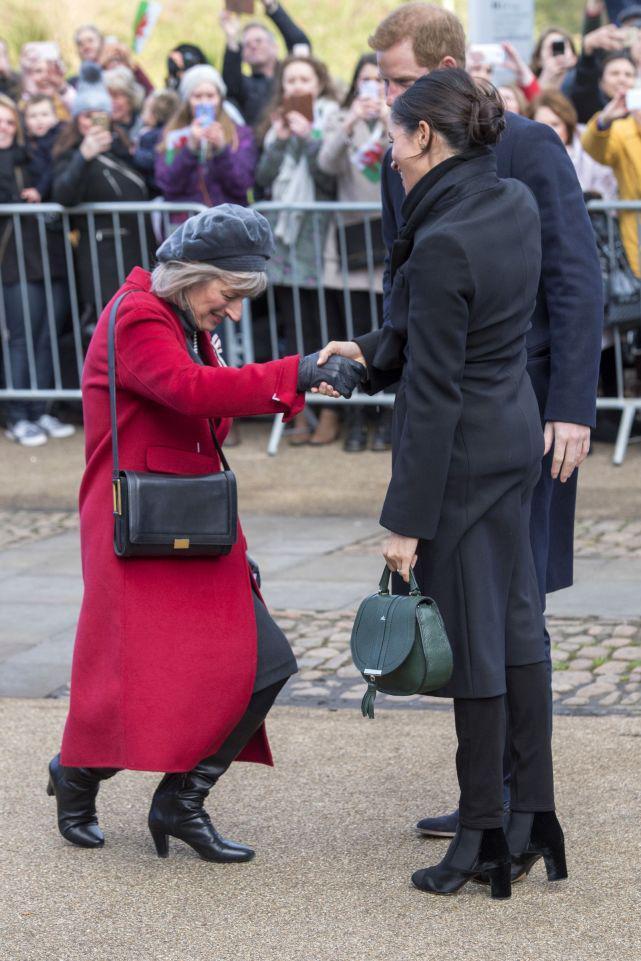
(356,427)
(177,811)
(75,790)
(177,807)
(471,852)
(534,836)
(382,437)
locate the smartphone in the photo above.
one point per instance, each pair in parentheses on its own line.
(492,53)
(633,99)
(558,48)
(240,6)
(100,119)
(301,103)
(631,35)
(205,114)
(369,90)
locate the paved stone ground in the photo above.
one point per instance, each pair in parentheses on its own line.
(597,661)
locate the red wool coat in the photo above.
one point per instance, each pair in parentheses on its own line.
(165,654)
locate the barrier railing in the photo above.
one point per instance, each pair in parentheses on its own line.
(333,292)
(330,288)
(622,311)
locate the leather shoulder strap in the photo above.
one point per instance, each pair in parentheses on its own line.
(111,336)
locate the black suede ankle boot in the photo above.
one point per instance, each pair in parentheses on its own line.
(75,790)
(531,836)
(471,852)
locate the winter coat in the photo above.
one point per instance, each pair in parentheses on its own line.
(40,150)
(467,440)
(108,178)
(353,185)
(564,340)
(15,176)
(302,264)
(619,147)
(226,177)
(165,652)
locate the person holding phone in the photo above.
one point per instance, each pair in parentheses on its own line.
(256,46)
(93,164)
(290,173)
(613,138)
(354,144)
(207,155)
(553,57)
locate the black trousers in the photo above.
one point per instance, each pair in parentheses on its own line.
(482,725)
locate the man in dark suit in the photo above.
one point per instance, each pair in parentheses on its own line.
(564,342)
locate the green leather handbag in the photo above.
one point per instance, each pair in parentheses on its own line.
(399,644)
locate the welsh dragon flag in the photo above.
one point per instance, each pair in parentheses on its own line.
(144,22)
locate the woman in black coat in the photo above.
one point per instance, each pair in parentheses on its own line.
(467,448)
(93,164)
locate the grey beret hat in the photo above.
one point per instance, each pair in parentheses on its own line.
(227,236)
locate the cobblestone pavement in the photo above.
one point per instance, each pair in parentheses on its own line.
(597,662)
(597,665)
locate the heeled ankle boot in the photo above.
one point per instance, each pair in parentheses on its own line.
(534,836)
(177,810)
(472,852)
(75,790)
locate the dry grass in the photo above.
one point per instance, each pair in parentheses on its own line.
(338,28)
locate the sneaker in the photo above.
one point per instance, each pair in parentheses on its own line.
(54,427)
(26,433)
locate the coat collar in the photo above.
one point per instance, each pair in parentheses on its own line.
(447,184)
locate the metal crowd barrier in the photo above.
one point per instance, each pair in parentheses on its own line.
(324,219)
(327,297)
(624,332)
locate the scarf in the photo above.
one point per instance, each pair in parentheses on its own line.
(294,183)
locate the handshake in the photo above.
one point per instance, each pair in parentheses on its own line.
(333,371)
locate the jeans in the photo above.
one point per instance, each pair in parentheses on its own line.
(16,347)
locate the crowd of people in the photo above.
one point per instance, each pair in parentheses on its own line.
(263,127)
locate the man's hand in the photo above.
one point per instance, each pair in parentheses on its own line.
(571,447)
(400,554)
(608,38)
(230,22)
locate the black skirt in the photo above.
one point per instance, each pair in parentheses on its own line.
(276,660)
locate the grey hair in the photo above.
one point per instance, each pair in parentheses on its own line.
(172,280)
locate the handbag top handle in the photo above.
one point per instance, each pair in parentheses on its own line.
(112,393)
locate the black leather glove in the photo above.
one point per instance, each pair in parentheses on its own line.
(254,568)
(341,373)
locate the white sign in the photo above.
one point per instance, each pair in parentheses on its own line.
(491,21)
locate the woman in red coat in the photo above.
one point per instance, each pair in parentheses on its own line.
(176,661)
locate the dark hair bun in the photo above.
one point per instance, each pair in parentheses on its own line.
(90,72)
(464,112)
(487,117)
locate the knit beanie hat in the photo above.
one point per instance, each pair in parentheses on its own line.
(92,93)
(202,73)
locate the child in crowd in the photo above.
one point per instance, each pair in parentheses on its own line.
(207,154)
(42,128)
(158,110)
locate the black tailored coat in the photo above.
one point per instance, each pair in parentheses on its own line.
(564,340)
(108,178)
(467,439)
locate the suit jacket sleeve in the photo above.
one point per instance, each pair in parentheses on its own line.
(570,274)
(437,337)
(173,380)
(290,31)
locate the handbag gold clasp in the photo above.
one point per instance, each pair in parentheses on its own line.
(117,497)
(181,543)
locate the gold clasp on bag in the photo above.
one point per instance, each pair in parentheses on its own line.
(181,543)
(117,498)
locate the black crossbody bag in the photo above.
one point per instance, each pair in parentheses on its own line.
(165,515)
